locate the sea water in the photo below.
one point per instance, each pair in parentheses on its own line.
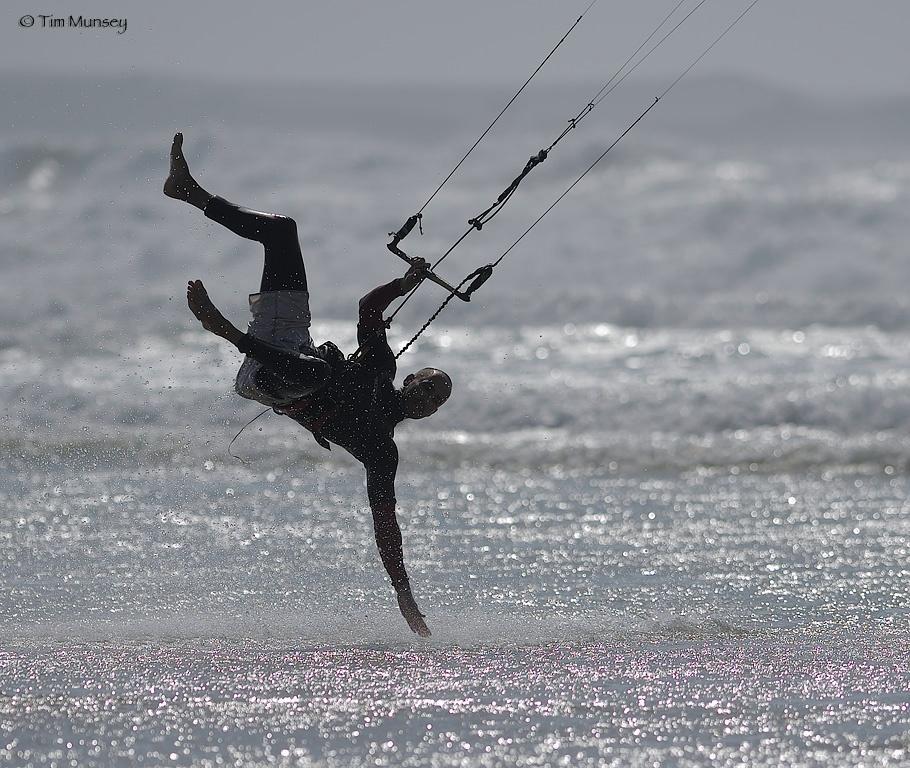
(662,520)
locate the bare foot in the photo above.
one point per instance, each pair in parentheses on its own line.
(207,313)
(179,184)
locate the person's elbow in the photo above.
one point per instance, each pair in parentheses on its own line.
(367,310)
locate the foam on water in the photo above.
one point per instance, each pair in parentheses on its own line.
(578,395)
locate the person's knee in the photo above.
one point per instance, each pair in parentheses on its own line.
(286,224)
(278,231)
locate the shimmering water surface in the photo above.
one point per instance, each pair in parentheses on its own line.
(662,521)
(579,618)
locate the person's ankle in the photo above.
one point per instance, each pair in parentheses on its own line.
(197,196)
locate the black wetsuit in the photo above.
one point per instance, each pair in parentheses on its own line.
(359,406)
(356,406)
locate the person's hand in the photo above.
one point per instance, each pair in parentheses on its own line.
(412,614)
(416,272)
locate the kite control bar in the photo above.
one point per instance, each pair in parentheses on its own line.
(402,233)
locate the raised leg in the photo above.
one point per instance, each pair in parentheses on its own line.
(283,269)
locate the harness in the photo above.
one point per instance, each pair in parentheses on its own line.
(312,412)
(316,410)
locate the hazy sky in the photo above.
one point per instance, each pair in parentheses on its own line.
(826,46)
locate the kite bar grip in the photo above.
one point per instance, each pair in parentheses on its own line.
(428,274)
(402,233)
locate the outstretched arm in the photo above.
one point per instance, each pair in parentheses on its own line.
(388,539)
(381,492)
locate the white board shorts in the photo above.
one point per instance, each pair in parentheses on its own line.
(281,318)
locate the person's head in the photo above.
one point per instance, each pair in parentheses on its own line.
(424,391)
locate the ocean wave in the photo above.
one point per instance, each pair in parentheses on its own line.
(761,451)
(758,451)
(665,234)
(581,395)
(34,162)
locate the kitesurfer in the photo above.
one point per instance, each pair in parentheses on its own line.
(352,403)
